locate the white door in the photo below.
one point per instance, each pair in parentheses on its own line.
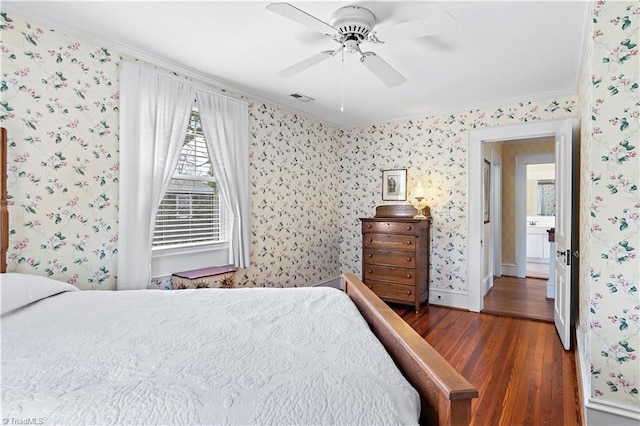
(562,302)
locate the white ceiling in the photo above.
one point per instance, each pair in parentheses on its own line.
(501,52)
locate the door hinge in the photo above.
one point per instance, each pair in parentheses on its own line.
(568,257)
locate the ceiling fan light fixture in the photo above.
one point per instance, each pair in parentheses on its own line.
(351,46)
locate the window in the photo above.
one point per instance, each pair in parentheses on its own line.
(190,214)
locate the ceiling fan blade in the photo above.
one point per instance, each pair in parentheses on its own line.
(381,69)
(302,17)
(305,63)
(419,28)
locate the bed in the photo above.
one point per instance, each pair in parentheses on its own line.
(216,356)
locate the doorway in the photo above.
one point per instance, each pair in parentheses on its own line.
(519,284)
(563,131)
(540,221)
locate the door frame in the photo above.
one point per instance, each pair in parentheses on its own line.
(475,222)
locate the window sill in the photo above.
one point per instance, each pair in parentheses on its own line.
(165,262)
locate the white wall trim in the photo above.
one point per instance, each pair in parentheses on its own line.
(555,94)
(509,269)
(487,283)
(14,7)
(134,53)
(476,137)
(449,298)
(164,263)
(584,375)
(606,413)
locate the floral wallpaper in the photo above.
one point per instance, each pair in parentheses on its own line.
(59,103)
(294,172)
(310,183)
(608,329)
(434,150)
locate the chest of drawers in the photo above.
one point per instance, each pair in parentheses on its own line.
(395,259)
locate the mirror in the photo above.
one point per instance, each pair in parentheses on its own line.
(546,198)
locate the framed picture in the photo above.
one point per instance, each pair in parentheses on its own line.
(394,185)
(486,190)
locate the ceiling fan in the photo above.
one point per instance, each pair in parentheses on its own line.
(353,25)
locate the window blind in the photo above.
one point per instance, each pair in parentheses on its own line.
(189,213)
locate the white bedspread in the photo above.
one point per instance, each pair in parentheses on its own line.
(208,356)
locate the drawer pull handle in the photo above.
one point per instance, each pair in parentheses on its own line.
(409,292)
(370,240)
(369,226)
(370,286)
(408,228)
(408,275)
(409,242)
(370,271)
(408,259)
(370,255)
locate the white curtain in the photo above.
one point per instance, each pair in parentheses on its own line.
(225,123)
(154,113)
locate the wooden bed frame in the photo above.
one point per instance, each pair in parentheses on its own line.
(445,395)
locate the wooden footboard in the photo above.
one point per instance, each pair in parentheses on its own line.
(445,395)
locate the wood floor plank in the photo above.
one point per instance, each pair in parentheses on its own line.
(522,373)
(520,298)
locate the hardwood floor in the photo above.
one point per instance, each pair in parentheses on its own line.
(520,298)
(522,373)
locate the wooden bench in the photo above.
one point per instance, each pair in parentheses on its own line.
(205,277)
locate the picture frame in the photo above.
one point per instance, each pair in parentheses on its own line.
(486,191)
(394,185)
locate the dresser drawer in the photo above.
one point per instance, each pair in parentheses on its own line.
(393,291)
(390,273)
(389,228)
(390,257)
(389,242)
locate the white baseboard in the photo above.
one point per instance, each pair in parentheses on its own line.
(487,283)
(449,298)
(551,290)
(603,413)
(331,282)
(599,412)
(510,269)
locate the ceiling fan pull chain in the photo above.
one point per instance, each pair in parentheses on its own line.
(342,97)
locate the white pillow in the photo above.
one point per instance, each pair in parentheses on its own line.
(19,290)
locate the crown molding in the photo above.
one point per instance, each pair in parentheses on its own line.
(133,53)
